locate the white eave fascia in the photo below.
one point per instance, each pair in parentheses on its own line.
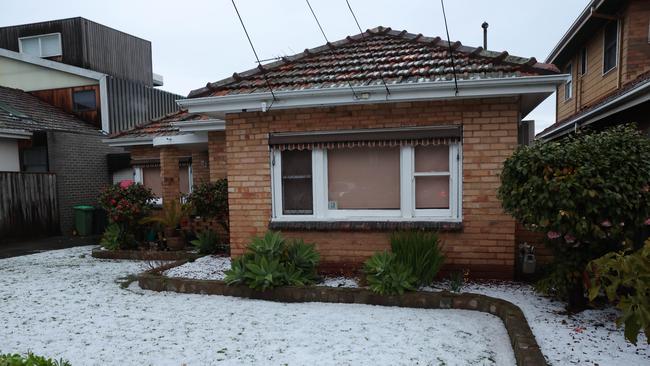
(598,114)
(371,94)
(60,66)
(128,141)
(577,25)
(201,125)
(15,134)
(187,139)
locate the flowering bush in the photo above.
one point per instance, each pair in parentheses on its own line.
(126,204)
(210,200)
(589,194)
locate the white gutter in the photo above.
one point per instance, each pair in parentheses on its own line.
(128,141)
(201,125)
(192,138)
(374,94)
(15,134)
(598,116)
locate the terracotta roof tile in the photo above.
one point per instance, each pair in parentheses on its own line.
(364,59)
(161,126)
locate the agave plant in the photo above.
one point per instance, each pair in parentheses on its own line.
(206,242)
(271,245)
(263,273)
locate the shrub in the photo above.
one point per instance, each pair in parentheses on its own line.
(111,237)
(625,279)
(206,242)
(388,276)
(30,360)
(271,262)
(210,200)
(589,193)
(419,251)
(126,204)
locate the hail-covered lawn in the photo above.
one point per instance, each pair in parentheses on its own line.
(66,304)
(587,338)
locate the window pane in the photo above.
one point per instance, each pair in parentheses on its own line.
(151,179)
(611,40)
(30,46)
(184,179)
(50,45)
(363,178)
(297,183)
(84,100)
(434,158)
(432,192)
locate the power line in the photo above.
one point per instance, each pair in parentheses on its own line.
(317,22)
(259,64)
(362,36)
(451,51)
(354,93)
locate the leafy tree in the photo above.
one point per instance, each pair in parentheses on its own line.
(588,193)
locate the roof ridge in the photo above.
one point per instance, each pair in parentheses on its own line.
(504,56)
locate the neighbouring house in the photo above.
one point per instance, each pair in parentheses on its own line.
(50,161)
(606,52)
(345,143)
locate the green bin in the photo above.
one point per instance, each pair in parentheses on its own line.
(83,219)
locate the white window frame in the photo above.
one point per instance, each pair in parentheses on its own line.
(618,48)
(584,59)
(407,210)
(40,45)
(568,85)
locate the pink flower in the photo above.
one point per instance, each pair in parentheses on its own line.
(569,238)
(126,183)
(647,221)
(606,223)
(553,235)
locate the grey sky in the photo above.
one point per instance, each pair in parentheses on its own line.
(199,41)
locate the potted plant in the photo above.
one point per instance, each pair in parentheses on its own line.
(172,215)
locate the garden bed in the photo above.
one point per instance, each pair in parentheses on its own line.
(525,347)
(144,255)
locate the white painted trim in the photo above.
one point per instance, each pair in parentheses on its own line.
(201,125)
(373,94)
(23,57)
(192,138)
(597,111)
(570,80)
(406,212)
(40,44)
(15,134)
(103,105)
(128,141)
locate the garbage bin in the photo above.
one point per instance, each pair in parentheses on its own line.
(83,219)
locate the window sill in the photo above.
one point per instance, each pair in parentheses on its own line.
(368,226)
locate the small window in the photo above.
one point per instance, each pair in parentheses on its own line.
(610,50)
(46,45)
(297,196)
(583,61)
(84,100)
(432,177)
(568,86)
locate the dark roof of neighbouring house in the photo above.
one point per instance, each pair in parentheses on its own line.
(161,126)
(397,56)
(629,88)
(20,110)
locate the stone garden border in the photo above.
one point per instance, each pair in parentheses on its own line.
(144,255)
(526,349)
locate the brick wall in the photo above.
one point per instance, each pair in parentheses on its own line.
(169,173)
(217,153)
(79,161)
(200,167)
(486,242)
(635,47)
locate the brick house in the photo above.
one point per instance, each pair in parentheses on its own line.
(607,54)
(345,143)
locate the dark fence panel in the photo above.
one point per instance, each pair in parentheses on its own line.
(28,205)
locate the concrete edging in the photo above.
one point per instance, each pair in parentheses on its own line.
(143,255)
(524,344)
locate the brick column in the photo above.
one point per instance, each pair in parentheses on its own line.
(217,153)
(200,167)
(169,174)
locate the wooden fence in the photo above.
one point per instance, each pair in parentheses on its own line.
(28,205)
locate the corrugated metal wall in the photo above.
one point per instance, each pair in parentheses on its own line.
(131,104)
